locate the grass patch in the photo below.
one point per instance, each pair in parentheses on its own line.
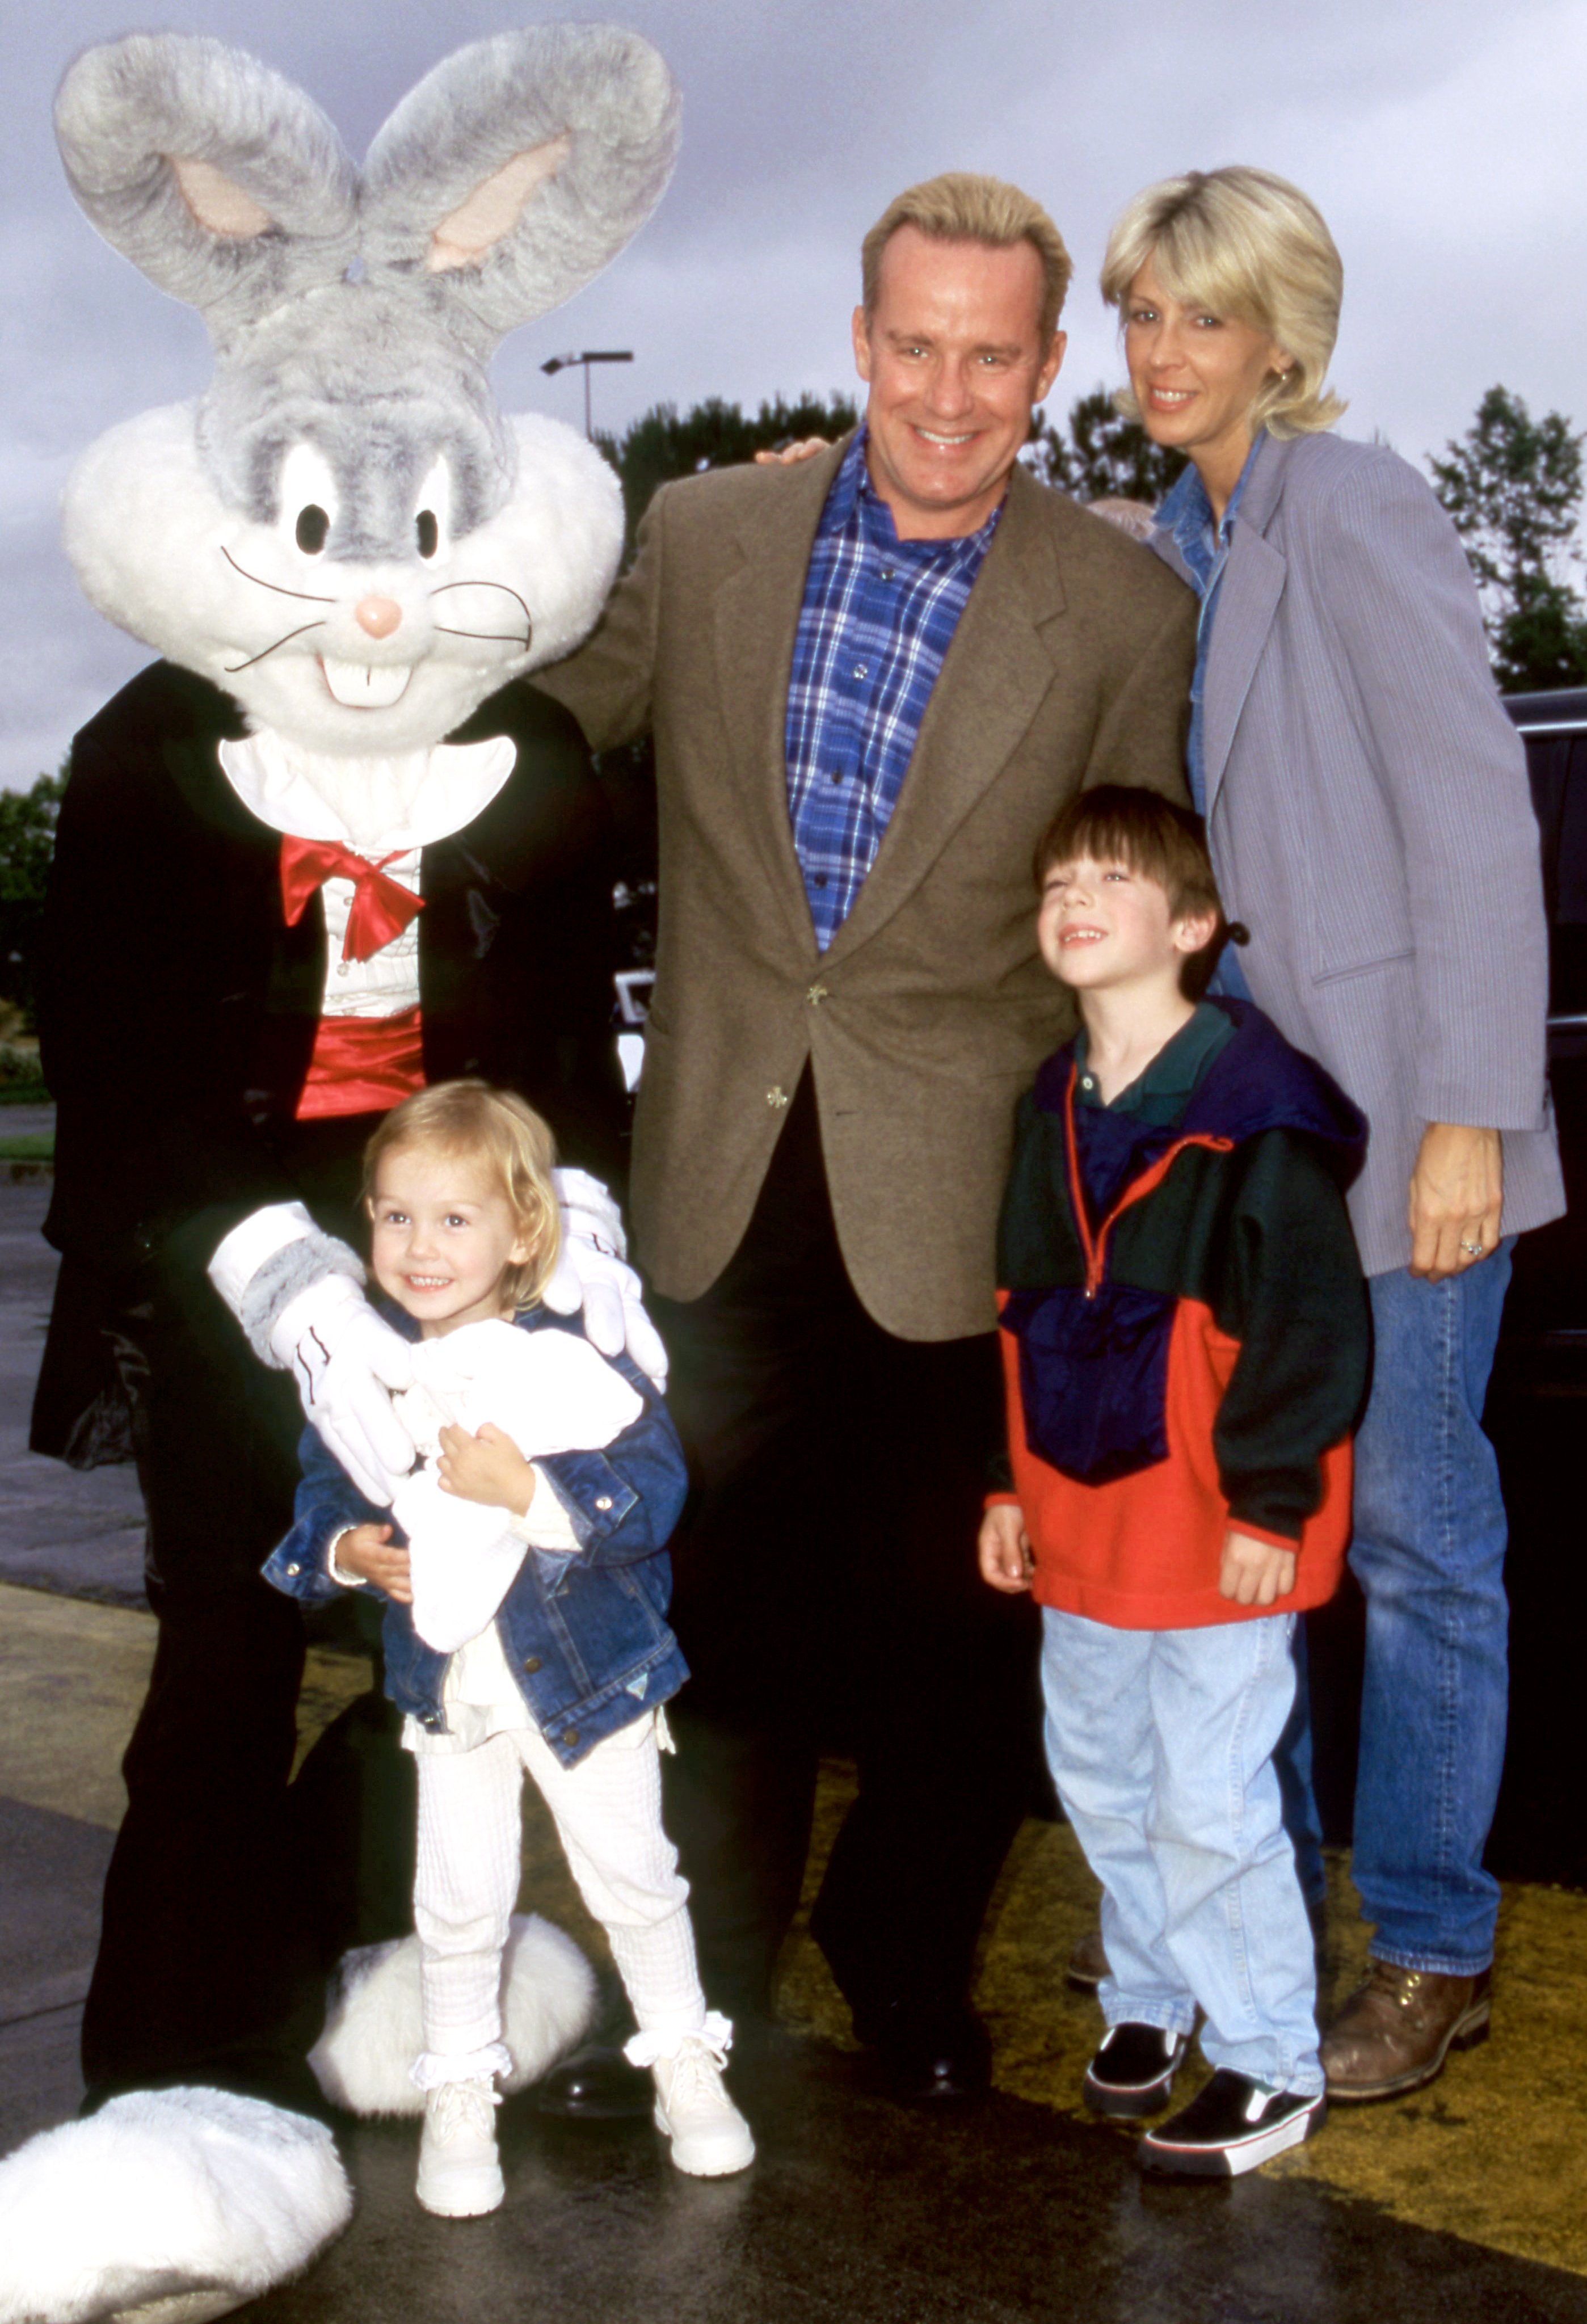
(40,1147)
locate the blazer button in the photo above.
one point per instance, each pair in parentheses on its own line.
(816,995)
(776,1097)
(294,1569)
(531,1664)
(570,1738)
(602,1500)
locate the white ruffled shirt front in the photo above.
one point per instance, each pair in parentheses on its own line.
(377,807)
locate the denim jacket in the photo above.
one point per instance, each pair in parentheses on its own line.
(585,1633)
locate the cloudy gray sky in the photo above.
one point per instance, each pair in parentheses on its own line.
(1441,139)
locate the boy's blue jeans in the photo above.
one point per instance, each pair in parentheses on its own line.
(1161,1744)
(1429,1552)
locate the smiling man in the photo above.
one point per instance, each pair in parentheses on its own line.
(872,679)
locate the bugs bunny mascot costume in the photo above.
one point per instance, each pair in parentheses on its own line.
(326,850)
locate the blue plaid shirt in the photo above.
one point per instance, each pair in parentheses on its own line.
(878,617)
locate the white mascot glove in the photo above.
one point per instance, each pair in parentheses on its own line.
(592,1273)
(347,1364)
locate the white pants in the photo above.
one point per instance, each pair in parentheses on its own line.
(608,1815)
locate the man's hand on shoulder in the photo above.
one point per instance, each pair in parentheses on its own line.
(789,455)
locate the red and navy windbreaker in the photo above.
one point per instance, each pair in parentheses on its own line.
(1186,1334)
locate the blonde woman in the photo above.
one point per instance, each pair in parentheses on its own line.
(1369,819)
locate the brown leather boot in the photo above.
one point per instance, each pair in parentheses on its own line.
(1395,2031)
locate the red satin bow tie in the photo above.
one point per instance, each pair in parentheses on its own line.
(382,908)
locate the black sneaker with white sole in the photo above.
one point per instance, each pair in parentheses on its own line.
(1133,2072)
(1231,2126)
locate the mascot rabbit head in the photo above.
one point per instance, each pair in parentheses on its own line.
(342,531)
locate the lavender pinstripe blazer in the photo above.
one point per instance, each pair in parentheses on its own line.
(1371,821)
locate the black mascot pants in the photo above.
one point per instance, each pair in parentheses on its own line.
(232,1889)
(827,1596)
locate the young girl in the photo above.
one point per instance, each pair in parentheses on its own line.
(567,1679)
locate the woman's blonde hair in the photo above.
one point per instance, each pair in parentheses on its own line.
(471,1121)
(1249,245)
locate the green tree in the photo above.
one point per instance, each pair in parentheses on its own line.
(1102,455)
(664,443)
(27,842)
(1513,486)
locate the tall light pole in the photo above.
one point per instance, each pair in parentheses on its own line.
(591,356)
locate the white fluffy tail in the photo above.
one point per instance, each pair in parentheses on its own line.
(374,2033)
(191,2198)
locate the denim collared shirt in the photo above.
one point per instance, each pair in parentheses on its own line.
(1204,544)
(584,1634)
(878,616)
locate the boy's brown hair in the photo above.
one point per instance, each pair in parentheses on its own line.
(1155,839)
(497,1129)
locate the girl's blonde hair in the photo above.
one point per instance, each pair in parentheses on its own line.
(1249,245)
(470,1119)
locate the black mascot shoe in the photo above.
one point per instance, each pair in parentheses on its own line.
(933,2054)
(595,2084)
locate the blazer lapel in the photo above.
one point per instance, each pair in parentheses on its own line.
(999,665)
(1252,586)
(755,612)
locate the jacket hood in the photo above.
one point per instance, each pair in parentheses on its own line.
(1257,1082)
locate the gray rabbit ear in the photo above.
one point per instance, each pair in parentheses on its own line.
(221,181)
(518,169)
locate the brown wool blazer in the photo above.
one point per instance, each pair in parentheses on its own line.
(925,1018)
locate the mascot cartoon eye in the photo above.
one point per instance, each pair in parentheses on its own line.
(308,499)
(426,528)
(432,523)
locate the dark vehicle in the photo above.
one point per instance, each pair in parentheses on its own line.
(1545,1317)
(1536,1412)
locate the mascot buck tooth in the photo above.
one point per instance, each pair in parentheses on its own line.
(326,850)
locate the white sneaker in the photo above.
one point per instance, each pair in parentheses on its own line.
(710,2137)
(459,2170)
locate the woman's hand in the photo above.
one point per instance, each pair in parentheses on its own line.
(1456,1199)
(365,1553)
(1254,1572)
(487,1468)
(1003,1548)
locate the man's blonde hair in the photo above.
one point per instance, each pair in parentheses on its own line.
(470,1121)
(962,206)
(1249,246)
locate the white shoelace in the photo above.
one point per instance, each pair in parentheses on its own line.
(464,2106)
(715,2037)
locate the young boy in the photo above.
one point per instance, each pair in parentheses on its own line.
(1185,1328)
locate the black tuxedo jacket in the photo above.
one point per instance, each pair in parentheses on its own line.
(179,1011)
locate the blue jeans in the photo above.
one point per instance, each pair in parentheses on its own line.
(1429,1552)
(1161,1744)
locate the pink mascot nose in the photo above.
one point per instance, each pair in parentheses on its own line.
(379,616)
